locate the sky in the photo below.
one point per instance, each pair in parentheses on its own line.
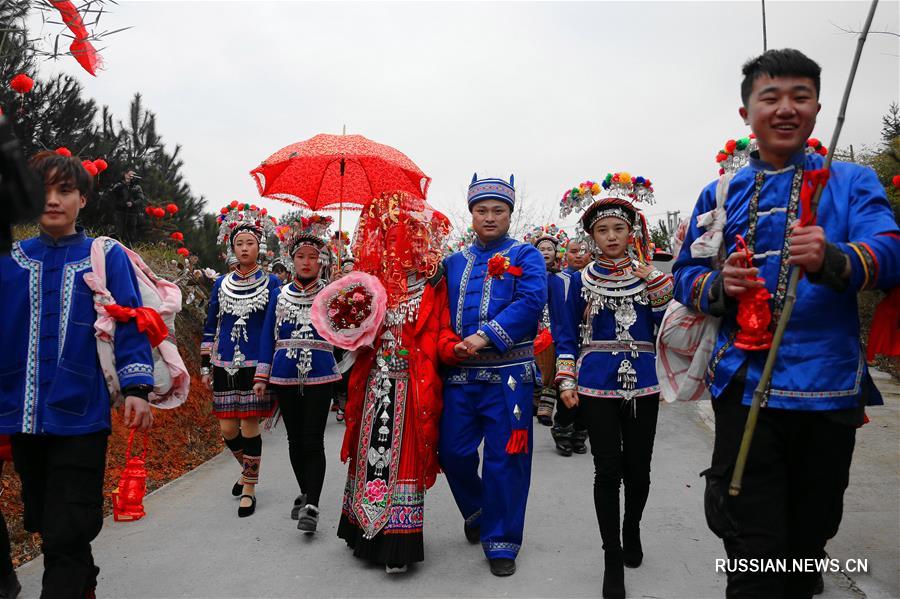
(553,92)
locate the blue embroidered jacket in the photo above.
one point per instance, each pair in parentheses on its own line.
(507,309)
(50,376)
(275,366)
(596,361)
(218,334)
(820,364)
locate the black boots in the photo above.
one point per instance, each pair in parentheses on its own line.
(562,436)
(632,552)
(613,574)
(579,439)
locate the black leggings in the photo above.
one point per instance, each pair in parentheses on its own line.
(305,416)
(622,446)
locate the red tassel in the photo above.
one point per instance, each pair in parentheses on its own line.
(148,321)
(518,441)
(811,180)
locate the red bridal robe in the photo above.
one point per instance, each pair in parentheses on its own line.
(391,440)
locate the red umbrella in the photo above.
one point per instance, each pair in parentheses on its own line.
(337,171)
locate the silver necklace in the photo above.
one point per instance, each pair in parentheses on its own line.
(294,307)
(240,298)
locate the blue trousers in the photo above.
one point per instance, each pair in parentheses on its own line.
(496,500)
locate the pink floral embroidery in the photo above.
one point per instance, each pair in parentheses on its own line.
(376,491)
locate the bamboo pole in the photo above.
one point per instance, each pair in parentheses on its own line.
(759,394)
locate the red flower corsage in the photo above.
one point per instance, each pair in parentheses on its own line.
(499,264)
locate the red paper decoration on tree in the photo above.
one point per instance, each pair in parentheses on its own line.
(159,212)
(184,252)
(21,83)
(896,181)
(64,151)
(171,208)
(101,165)
(177,236)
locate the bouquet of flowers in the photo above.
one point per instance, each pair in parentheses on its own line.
(349,312)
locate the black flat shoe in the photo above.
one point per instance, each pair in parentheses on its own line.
(473,533)
(238,488)
(613,575)
(299,502)
(503,566)
(243,512)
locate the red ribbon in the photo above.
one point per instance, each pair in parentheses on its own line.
(811,180)
(80,48)
(148,321)
(518,441)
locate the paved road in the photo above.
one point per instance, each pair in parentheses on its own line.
(192,544)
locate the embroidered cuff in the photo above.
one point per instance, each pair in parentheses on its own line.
(263,371)
(565,367)
(660,290)
(135,374)
(500,338)
(863,266)
(833,267)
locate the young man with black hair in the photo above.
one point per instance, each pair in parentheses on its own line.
(53,397)
(791,501)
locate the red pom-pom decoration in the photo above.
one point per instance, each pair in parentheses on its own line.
(171,208)
(64,151)
(896,181)
(183,252)
(21,83)
(224,210)
(721,157)
(90,167)
(159,212)
(177,236)
(234,204)
(730,145)
(101,165)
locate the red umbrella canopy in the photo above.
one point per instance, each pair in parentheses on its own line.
(337,171)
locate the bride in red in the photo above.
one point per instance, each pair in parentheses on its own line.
(394,403)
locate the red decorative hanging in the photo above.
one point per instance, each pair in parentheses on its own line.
(64,151)
(101,165)
(183,252)
(82,50)
(171,208)
(21,83)
(90,167)
(159,212)
(177,236)
(754,313)
(128,497)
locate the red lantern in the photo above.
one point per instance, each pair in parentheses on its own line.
(171,208)
(177,236)
(754,313)
(90,167)
(21,83)
(64,151)
(101,165)
(183,252)
(128,497)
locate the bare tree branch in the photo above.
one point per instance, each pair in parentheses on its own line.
(850,31)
